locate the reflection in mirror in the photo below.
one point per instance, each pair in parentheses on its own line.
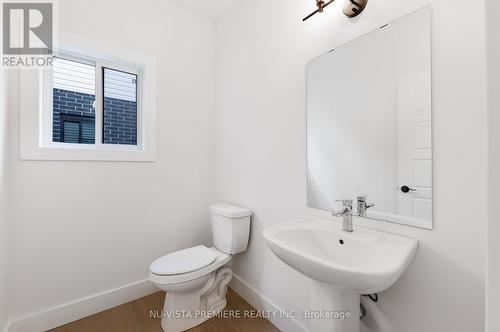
(369,123)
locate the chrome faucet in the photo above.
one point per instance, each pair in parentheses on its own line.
(346,214)
(363,206)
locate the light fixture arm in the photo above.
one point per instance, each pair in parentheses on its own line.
(321,4)
(352,8)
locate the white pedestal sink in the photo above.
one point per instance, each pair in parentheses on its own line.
(342,265)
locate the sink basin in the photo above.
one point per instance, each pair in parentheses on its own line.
(341,265)
(365,261)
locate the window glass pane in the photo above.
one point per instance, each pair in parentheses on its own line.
(120,107)
(88,132)
(74,97)
(71,132)
(77,129)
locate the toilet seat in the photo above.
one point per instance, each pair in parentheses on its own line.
(183,261)
(220,259)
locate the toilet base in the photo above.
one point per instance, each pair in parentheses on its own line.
(187,308)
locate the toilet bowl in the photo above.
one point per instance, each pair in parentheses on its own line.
(196,279)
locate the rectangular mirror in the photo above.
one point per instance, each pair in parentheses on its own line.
(369,123)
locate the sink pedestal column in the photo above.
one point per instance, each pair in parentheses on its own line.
(333,309)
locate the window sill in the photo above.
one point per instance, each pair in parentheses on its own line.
(74,152)
(93,147)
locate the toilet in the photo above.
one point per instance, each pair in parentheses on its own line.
(196,279)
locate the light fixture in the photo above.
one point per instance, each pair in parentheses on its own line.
(352,8)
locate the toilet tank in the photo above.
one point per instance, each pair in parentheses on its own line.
(230,227)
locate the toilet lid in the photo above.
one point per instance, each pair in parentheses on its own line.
(184,261)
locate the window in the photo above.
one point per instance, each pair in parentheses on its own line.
(97,103)
(94,103)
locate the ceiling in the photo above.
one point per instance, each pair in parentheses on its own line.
(208,8)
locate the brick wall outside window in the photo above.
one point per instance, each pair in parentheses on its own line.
(120,121)
(120,116)
(70,103)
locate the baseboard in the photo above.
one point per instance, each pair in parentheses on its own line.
(262,303)
(70,312)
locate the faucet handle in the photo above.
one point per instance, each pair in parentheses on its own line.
(362,200)
(345,202)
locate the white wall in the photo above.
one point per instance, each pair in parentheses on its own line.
(3,197)
(261,51)
(79,228)
(493,248)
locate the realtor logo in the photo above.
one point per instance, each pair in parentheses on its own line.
(27,28)
(27,34)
